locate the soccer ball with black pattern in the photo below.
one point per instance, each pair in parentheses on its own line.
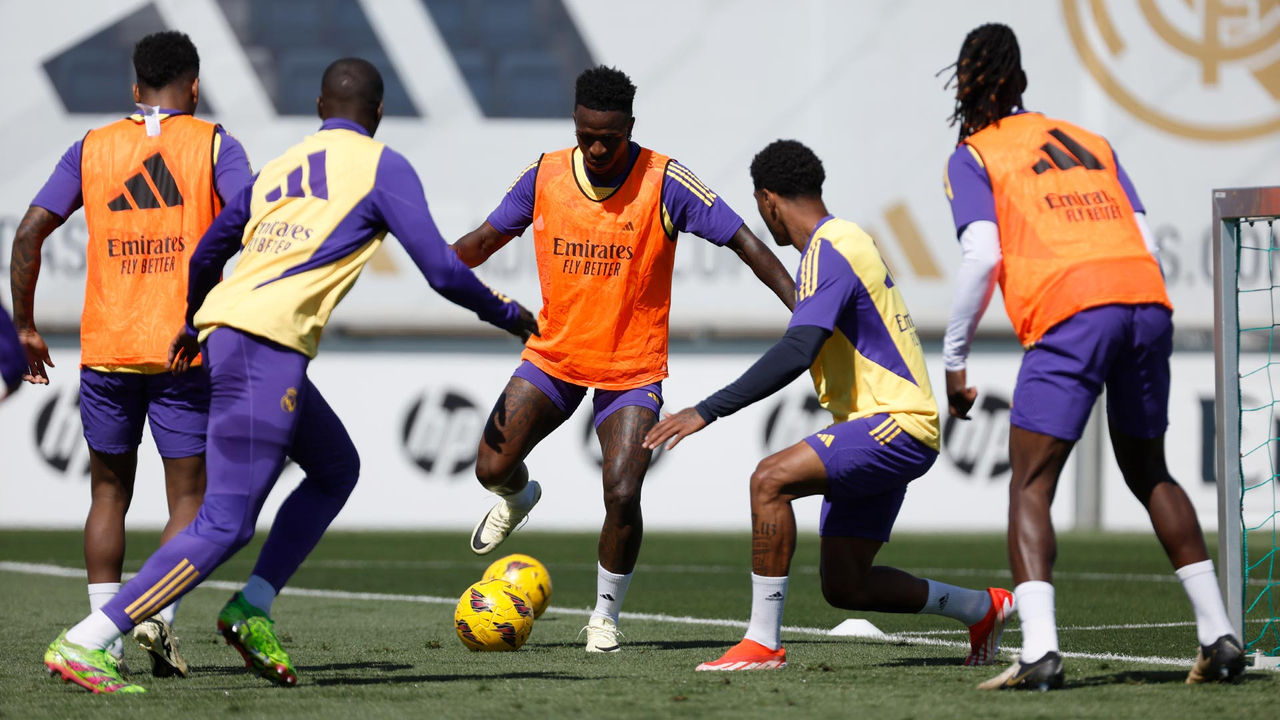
(493,615)
(526,573)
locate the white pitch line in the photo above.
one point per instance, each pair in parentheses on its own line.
(743,569)
(900,638)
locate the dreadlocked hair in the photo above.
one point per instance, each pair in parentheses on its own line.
(988,78)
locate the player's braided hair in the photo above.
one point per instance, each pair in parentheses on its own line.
(988,78)
(604,88)
(788,168)
(163,57)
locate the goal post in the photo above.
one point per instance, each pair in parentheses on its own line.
(1247,398)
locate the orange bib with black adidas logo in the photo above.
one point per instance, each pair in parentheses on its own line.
(1068,236)
(147,201)
(605,270)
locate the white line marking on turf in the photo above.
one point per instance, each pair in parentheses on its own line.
(743,569)
(902,638)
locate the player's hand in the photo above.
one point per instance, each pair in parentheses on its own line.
(37,356)
(183,351)
(960,397)
(675,428)
(526,324)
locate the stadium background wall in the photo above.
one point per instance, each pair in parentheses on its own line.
(416,420)
(1188,95)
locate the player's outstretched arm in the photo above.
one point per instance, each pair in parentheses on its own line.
(780,364)
(24,270)
(765,265)
(400,202)
(476,246)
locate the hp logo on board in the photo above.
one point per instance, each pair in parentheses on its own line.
(980,446)
(441,432)
(60,436)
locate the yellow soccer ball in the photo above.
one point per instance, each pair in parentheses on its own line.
(493,615)
(528,574)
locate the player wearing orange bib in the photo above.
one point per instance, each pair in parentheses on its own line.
(605,216)
(150,185)
(1042,207)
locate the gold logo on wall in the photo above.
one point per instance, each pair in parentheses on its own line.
(1203,69)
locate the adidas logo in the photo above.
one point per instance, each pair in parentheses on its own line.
(826,438)
(607,596)
(942,601)
(164,194)
(629,227)
(775,595)
(1066,156)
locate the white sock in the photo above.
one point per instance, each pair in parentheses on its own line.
(169,612)
(1034,600)
(522,500)
(768,596)
(967,606)
(611,589)
(1201,585)
(95,632)
(99,595)
(259,593)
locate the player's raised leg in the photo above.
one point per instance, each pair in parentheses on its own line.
(626,461)
(529,408)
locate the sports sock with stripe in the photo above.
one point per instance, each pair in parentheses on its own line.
(967,606)
(768,596)
(611,589)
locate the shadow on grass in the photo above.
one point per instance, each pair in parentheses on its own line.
(227,670)
(448,678)
(1151,677)
(915,662)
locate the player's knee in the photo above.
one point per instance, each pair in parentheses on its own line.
(766,482)
(621,496)
(492,469)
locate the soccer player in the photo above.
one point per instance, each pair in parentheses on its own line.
(150,184)
(605,217)
(13,362)
(306,226)
(1044,207)
(853,332)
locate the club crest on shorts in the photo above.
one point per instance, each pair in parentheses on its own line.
(289,401)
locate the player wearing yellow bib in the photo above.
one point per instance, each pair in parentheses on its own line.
(852,330)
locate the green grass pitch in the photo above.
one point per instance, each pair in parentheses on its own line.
(369,626)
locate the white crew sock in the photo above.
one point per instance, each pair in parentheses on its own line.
(611,589)
(99,595)
(768,596)
(170,612)
(95,632)
(1201,585)
(259,593)
(1034,600)
(522,500)
(967,606)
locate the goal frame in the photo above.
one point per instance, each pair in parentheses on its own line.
(1230,207)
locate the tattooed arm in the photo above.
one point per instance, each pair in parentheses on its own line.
(24,270)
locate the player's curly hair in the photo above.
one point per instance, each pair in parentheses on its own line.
(988,78)
(164,57)
(789,169)
(604,88)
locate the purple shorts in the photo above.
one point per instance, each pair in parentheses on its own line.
(114,406)
(566,395)
(1124,347)
(869,462)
